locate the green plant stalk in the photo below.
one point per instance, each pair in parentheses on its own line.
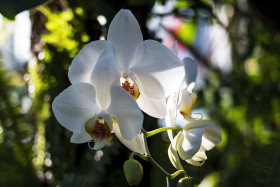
(144,157)
(151,133)
(174,175)
(152,161)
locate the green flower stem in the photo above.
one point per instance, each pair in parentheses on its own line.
(144,157)
(152,161)
(151,133)
(177,173)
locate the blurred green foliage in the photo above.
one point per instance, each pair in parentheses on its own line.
(35,150)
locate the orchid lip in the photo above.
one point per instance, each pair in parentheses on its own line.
(100,131)
(130,85)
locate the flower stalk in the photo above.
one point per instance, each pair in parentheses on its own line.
(152,161)
(151,133)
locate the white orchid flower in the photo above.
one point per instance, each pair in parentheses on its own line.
(147,70)
(183,100)
(93,110)
(191,143)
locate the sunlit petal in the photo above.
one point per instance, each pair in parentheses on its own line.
(187,101)
(104,75)
(135,145)
(211,138)
(212,133)
(154,107)
(149,86)
(80,138)
(82,65)
(74,106)
(170,118)
(126,112)
(125,34)
(189,145)
(158,61)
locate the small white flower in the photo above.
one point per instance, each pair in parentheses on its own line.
(92,111)
(197,136)
(148,70)
(191,143)
(180,103)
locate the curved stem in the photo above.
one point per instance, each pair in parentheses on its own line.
(151,133)
(173,175)
(151,160)
(144,157)
(167,182)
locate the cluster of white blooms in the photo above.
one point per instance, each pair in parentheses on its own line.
(114,79)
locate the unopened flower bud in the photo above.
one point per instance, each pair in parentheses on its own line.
(185,182)
(133,172)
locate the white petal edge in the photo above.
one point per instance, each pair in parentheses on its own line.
(172,153)
(158,61)
(150,86)
(126,112)
(175,48)
(190,71)
(82,65)
(104,75)
(136,144)
(79,138)
(212,135)
(189,145)
(170,118)
(125,35)
(153,107)
(74,106)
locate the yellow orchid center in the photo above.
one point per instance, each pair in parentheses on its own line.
(100,131)
(130,86)
(186,110)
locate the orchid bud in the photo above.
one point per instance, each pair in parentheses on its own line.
(133,172)
(185,182)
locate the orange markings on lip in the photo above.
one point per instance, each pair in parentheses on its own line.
(99,130)
(131,87)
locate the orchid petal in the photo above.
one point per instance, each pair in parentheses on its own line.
(170,118)
(187,101)
(80,138)
(158,61)
(199,156)
(195,163)
(136,144)
(189,145)
(125,34)
(191,71)
(207,124)
(82,65)
(126,112)
(150,86)
(104,75)
(175,48)
(172,153)
(212,134)
(211,138)
(74,106)
(154,107)
(99,144)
